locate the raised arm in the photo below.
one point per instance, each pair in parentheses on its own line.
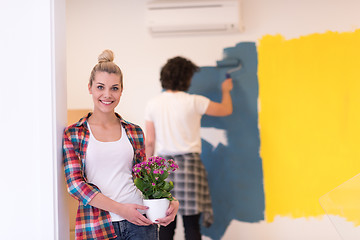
(150,138)
(225,108)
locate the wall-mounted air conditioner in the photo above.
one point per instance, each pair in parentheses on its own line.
(168,17)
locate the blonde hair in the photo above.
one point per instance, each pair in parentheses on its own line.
(106,64)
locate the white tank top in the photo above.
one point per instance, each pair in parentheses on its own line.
(108,165)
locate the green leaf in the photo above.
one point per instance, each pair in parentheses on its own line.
(140,184)
(163,176)
(171,185)
(158,194)
(146,178)
(166,195)
(168,186)
(161,185)
(145,187)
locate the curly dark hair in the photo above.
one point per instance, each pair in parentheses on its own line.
(176,74)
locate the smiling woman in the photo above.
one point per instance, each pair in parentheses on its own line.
(99,153)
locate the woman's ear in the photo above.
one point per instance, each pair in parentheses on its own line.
(89,87)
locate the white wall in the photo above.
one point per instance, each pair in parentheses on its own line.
(120,25)
(33,114)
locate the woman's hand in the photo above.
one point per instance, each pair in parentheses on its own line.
(225,108)
(170,214)
(227,85)
(130,212)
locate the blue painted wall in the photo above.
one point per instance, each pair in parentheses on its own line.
(234,171)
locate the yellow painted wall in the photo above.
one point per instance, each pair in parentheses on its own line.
(309,90)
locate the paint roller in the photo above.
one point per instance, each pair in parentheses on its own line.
(229,62)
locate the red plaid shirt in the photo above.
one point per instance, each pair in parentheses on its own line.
(91,222)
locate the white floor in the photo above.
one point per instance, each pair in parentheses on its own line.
(284,228)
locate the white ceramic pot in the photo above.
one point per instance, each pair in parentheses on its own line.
(157,208)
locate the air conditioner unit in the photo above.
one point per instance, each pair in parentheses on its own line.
(168,17)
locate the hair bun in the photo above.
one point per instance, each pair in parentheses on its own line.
(106,56)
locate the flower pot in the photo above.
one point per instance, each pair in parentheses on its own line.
(157,208)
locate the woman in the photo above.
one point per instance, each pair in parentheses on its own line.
(99,152)
(173,125)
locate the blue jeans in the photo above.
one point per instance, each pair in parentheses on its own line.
(126,230)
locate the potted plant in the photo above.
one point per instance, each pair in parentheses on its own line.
(150,178)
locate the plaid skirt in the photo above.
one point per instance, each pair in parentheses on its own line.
(191,187)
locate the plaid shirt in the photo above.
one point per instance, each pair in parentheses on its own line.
(91,222)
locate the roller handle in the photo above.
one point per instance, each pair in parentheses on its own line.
(227,75)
